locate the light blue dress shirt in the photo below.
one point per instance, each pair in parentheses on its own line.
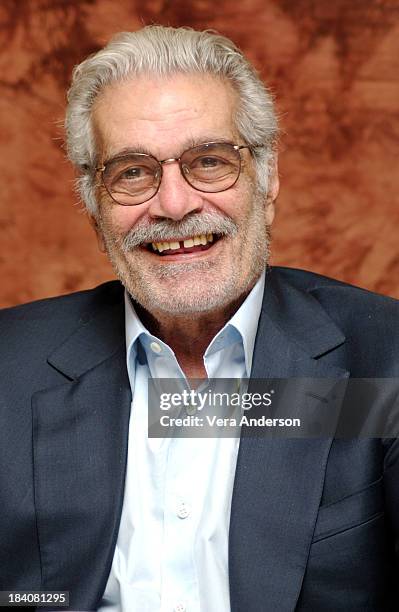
(172,549)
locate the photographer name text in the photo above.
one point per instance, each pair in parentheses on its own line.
(214,421)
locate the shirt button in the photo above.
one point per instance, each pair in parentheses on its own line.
(183,510)
(155,347)
(180,607)
(191,410)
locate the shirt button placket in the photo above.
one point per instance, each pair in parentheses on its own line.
(183,510)
(191,410)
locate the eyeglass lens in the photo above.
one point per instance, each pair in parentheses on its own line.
(210,167)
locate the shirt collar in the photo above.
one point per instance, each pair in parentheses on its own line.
(244,321)
(133,326)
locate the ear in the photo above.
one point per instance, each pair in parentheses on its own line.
(272,193)
(100,239)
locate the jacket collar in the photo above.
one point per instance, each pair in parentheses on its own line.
(291,319)
(99,335)
(294,332)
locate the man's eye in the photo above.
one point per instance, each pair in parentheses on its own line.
(132,173)
(209,162)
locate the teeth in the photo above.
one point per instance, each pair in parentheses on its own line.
(188,243)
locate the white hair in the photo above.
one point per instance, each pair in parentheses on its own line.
(164,51)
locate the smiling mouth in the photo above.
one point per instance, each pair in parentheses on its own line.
(202,242)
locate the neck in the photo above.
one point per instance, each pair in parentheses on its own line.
(187,335)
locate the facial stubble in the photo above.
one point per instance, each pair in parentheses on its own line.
(187,288)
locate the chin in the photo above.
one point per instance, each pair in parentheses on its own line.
(181,302)
(188,289)
(183,295)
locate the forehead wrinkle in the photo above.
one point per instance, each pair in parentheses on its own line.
(187,144)
(113,138)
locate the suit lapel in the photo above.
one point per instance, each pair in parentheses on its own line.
(80,448)
(279,482)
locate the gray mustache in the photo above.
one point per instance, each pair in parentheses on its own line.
(167,229)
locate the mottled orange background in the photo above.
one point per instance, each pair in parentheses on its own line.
(333,65)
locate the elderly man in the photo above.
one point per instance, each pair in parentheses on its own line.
(174,137)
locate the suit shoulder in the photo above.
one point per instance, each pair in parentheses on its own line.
(56,317)
(331,290)
(99,297)
(368,320)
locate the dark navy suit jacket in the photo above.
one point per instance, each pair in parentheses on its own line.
(314,522)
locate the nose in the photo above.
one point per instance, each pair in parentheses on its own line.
(175,198)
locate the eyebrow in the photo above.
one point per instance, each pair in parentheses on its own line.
(139,148)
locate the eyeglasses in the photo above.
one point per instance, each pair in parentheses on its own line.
(135,178)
